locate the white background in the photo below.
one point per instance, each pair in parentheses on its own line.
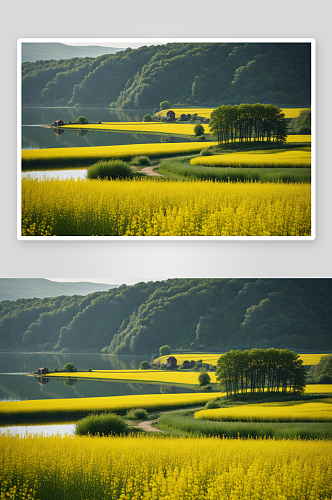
(130,261)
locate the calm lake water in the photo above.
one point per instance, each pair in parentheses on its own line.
(36,136)
(16,386)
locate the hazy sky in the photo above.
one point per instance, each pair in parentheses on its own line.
(129,43)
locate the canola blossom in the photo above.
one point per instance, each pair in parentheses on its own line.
(206,112)
(149,207)
(256,159)
(308,359)
(88,155)
(82,406)
(291,411)
(154,376)
(144,127)
(154,468)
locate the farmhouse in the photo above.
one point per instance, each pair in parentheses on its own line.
(170,116)
(42,371)
(172,363)
(58,123)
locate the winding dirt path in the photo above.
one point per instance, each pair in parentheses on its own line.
(147,424)
(150,170)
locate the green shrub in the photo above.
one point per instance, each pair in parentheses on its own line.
(164,350)
(206,152)
(105,423)
(137,414)
(144,365)
(165,105)
(211,405)
(112,169)
(69,367)
(198,129)
(139,161)
(146,118)
(204,379)
(81,119)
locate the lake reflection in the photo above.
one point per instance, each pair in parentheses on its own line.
(16,386)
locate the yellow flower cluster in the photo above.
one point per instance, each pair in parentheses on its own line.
(164,208)
(308,359)
(155,376)
(154,468)
(90,154)
(73,406)
(253,159)
(292,411)
(144,127)
(206,112)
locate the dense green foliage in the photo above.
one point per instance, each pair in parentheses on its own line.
(301,124)
(187,73)
(247,122)
(69,367)
(204,378)
(198,129)
(322,372)
(112,169)
(184,423)
(140,161)
(164,350)
(137,414)
(104,424)
(81,119)
(144,365)
(192,314)
(260,371)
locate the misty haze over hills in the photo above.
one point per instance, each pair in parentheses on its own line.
(32,52)
(27,288)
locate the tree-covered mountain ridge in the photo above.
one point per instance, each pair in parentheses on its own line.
(182,73)
(187,314)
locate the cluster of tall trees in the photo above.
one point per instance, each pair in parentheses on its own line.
(182,73)
(246,122)
(189,314)
(261,370)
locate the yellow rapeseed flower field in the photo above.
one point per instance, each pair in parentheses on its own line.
(149,207)
(94,153)
(144,127)
(154,376)
(118,404)
(154,468)
(206,112)
(291,411)
(252,159)
(308,359)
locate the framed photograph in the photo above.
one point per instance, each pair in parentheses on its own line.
(166,138)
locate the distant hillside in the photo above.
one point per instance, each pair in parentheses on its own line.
(32,52)
(188,314)
(26,288)
(182,73)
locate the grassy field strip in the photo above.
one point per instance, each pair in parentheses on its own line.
(118,404)
(272,412)
(308,359)
(290,159)
(150,207)
(170,377)
(133,468)
(206,112)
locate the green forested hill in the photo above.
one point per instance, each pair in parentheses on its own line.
(195,314)
(35,51)
(182,73)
